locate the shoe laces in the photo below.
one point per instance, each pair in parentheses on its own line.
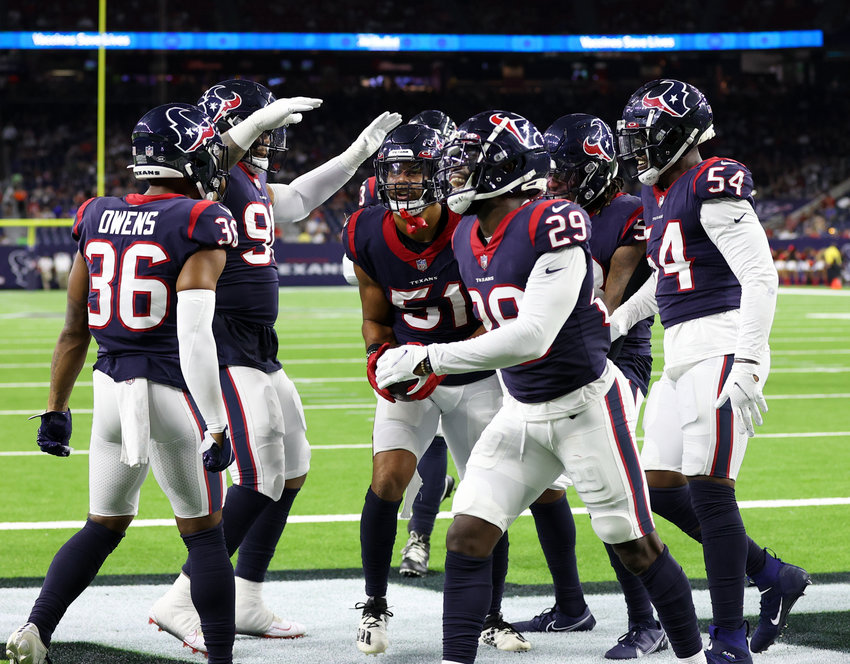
(630,638)
(497,622)
(417,548)
(373,612)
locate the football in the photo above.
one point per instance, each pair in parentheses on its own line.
(399,390)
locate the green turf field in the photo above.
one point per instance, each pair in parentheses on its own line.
(799,456)
(794,489)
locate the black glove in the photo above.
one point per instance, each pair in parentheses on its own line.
(216,458)
(54,434)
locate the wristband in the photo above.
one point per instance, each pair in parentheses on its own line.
(373,348)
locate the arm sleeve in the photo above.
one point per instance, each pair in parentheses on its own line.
(640,305)
(296,200)
(198,358)
(744,246)
(550,295)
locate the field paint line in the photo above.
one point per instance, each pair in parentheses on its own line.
(26,365)
(835,351)
(368,446)
(836,316)
(803,290)
(359,379)
(351,518)
(321,448)
(803,338)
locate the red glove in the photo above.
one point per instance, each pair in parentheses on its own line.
(424,388)
(371,364)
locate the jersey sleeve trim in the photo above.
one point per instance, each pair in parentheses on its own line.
(630,222)
(349,230)
(535,219)
(75,231)
(197,210)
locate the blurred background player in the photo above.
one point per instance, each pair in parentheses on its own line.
(265,413)
(437,485)
(567,409)
(143,284)
(584,170)
(714,287)
(410,291)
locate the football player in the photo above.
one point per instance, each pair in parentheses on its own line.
(143,284)
(568,409)
(265,414)
(411,292)
(714,286)
(436,484)
(585,171)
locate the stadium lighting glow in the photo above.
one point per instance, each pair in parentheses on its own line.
(344,41)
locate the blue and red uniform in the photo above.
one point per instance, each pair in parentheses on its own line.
(496,278)
(620,224)
(430,303)
(694,279)
(135,247)
(369,193)
(247,293)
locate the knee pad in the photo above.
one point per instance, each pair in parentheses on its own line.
(613,527)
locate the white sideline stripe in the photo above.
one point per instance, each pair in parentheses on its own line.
(837,316)
(359,379)
(367,446)
(349,518)
(344,446)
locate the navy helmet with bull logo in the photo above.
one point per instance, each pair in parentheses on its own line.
(662,120)
(176,141)
(584,159)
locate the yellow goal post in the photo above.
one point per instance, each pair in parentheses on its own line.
(32,224)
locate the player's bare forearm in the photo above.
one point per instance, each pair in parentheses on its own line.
(377,333)
(623,264)
(69,356)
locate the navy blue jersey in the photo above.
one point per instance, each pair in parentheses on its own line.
(369,193)
(135,248)
(694,279)
(247,293)
(430,303)
(496,275)
(620,224)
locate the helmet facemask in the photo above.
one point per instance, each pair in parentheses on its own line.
(406,184)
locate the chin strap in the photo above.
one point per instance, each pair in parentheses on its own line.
(414,223)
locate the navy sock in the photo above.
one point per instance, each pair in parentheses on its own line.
(638,604)
(724,546)
(258,544)
(556,530)
(500,571)
(377,537)
(241,508)
(466,595)
(73,568)
(213,591)
(761,566)
(674,504)
(432,470)
(667,585)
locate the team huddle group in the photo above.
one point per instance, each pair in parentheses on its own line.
(508,287)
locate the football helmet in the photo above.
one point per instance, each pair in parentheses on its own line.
(662,120)
(228,103)
(405,167)
(180,141)
(491,154)
(438,120)
(584,159)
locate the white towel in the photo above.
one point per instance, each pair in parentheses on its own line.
(134,412)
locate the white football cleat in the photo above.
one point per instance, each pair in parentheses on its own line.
(499,633)
(254,618)
(174,613)
(26,647)
(372,636)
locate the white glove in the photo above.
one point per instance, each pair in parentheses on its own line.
(279,113)
(397,364)
(370,139)
(744,391)
(618,326)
